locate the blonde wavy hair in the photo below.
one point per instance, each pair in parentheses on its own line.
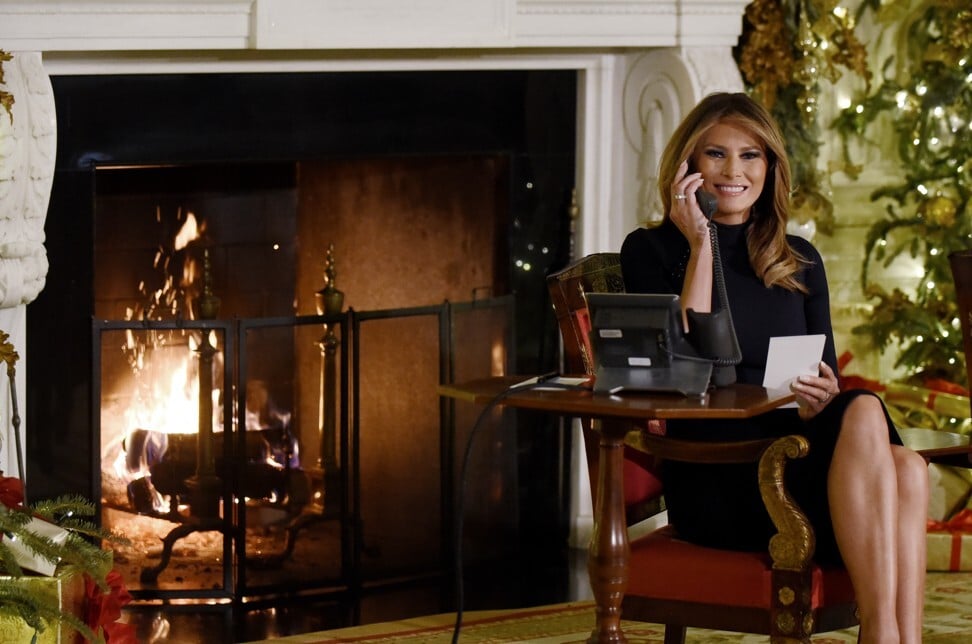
(774,261)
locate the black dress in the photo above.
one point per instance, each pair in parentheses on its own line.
(719,505)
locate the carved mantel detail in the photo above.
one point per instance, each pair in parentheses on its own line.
(27,150)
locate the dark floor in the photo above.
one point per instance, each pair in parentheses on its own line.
(530,580)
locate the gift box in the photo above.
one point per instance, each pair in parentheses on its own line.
(70,595)
(950,488)
(949,543)
(30,560)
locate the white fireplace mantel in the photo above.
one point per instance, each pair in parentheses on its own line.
(641,64)
(264,25)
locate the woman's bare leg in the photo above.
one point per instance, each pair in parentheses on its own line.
(913,493)
(862,487)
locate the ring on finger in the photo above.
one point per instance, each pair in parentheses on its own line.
(680,197)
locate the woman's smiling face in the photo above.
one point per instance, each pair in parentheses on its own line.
(733,165)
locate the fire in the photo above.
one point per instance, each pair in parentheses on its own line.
(169,403)
(173,298)
(188,233)
(165,400)
(163,385)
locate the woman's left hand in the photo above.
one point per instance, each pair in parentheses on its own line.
(813,393)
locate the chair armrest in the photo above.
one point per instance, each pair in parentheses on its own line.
(792,546)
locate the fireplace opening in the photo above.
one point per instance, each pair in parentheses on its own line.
(419,189)
(253,237)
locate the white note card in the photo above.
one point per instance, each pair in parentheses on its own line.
(792,356)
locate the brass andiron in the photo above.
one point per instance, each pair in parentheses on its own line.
(330,301)
(324,474)
(204,485)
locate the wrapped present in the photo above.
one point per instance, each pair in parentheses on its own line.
(69,593)
(912,406)
(85,604)
(11,500)
(950,488)
(28,559)
(949,543)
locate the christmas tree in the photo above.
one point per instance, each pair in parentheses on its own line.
(926,93)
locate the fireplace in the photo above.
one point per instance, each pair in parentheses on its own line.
(419,189)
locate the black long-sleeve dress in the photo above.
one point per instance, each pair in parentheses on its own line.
(719,505)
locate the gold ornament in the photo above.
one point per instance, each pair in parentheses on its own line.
(938,211)
(766,60)
(809,204)
(6,98)
(956,40)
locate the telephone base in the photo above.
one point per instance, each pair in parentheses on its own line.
(686,377)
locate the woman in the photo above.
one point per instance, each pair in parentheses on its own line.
(865,494)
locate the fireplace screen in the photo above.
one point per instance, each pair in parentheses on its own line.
(251,456)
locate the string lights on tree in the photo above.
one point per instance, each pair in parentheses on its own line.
(926,96)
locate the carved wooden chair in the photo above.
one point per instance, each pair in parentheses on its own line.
(600,273)
(781,592)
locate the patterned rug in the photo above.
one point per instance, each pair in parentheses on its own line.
(948,619)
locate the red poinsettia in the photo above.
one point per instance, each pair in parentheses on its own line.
(11,491)
(103,610)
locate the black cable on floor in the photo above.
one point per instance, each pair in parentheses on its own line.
(542,381)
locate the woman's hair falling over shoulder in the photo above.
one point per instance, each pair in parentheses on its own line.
(774,261)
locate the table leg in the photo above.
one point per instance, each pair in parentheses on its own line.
(607,563)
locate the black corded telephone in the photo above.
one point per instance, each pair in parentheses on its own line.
(639,343)
(713,334)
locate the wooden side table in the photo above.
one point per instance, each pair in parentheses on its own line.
(609,549)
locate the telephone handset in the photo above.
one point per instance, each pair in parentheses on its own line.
(707,203)
(713,334)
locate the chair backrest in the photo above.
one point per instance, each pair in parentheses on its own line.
(601,273)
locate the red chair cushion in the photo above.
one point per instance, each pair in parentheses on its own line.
(664,567)
(582,322)
(640,482)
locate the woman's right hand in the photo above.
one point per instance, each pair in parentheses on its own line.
(688,218)
(685,212)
